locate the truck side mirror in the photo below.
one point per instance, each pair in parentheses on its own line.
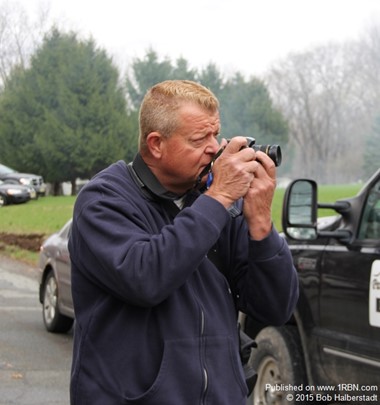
(299,213)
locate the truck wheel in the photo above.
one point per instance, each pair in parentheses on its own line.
(279,364)
(54,321)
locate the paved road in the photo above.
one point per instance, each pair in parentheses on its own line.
(34,364)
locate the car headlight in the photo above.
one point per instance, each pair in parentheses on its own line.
(25,181)
(14,191)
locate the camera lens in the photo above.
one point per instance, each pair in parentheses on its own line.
(273,151)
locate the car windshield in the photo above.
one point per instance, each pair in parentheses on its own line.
(6,169)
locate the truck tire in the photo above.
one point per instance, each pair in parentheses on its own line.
(279,365)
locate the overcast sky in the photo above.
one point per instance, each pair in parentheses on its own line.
(237,35)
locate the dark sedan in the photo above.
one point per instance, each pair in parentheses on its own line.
(10,175)
(15,193)
(55,285)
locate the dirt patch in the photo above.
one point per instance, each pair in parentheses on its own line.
(30,242)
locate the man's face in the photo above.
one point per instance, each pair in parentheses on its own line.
(186,153)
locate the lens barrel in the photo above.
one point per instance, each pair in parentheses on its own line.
(273,151)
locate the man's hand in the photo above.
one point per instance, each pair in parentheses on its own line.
(258,199)
(241,172)
(233,171)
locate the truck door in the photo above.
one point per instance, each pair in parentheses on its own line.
(349,336)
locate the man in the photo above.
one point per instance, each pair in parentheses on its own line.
(156,319)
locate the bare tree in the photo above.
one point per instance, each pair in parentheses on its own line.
(316,92)
(19,36)
(368,64)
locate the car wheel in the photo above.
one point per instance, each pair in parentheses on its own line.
(54,321)
(3,200)
(279,364)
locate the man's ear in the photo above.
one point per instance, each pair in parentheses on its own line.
(154,144)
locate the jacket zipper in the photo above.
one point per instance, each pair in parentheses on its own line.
(202,347)
(205,374)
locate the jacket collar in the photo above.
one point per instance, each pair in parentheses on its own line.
(150,181)
(152,188)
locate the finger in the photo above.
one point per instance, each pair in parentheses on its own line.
(236,144)
(252,167)
(266,163)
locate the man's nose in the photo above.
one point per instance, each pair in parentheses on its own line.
(213,146)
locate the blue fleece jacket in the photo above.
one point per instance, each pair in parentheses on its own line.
(155,319)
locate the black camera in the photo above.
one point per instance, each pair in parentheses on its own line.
(273,151)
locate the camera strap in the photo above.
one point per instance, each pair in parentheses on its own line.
(207,170)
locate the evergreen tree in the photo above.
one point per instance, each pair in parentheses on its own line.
(247,109)
(148,71)
(211,77)
(65,117)
(245,106)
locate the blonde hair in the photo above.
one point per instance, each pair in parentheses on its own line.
(159,108)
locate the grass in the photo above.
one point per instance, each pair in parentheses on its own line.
(330,194)
(48,214)
(45,215)
(17,253)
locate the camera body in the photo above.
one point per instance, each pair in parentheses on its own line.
(273,151)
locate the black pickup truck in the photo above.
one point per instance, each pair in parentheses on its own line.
(329,352)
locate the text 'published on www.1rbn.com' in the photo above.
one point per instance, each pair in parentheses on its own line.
(345,393)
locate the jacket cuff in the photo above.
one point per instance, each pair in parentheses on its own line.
(268,247)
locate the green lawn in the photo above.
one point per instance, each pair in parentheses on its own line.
(45,215)
(48,214)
